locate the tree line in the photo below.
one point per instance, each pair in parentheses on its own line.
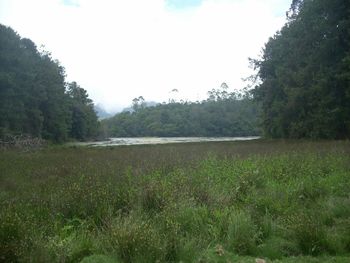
(35,98)
(304,73)
(222,114)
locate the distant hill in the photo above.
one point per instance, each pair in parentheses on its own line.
(101,112)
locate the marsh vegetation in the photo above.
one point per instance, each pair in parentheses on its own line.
(195,202)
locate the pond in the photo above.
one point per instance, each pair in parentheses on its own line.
(163,140)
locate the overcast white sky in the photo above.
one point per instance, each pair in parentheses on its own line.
(121,49)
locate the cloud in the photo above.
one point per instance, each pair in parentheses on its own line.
(183,4)
(74,3)
(119,50)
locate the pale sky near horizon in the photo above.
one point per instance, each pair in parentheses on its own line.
(118,50)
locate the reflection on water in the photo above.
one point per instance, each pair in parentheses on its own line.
(164,140)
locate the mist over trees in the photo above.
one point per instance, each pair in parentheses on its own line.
(34,96)
(305,73)
(222,114)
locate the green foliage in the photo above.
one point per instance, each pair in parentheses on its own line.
(208,202)
(33,96)
(71,243)
(277,247)
(220,115)
(304,73)
(84,118)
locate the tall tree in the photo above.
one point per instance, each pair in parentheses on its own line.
(84,118)
(54,101)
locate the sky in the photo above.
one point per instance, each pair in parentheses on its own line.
(121,49)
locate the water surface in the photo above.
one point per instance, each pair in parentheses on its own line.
(164,140)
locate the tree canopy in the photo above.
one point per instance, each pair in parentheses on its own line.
(34,96)
(304,73)
(222,114)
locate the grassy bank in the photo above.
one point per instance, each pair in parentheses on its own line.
(206,202)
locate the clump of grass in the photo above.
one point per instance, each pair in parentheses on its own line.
(153,197)
(308,232)
(242,234)
(134,239)
(11,235)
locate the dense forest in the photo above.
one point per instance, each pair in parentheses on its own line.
(222,114)
(35,98)
(304,73)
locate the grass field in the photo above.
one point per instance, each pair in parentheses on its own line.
(282,201)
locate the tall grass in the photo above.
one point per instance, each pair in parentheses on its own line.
(207,202)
